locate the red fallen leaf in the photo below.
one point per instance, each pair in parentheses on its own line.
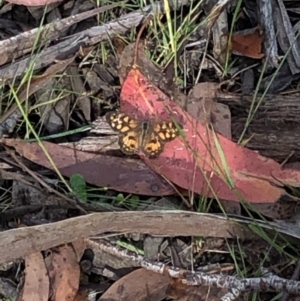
(194,162)
(248,44)
(131,176)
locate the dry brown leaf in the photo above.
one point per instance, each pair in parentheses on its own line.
(248,43)
(201,104)
(138,285)
(64,272)
(36,286)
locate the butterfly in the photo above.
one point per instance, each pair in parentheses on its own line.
(135,135)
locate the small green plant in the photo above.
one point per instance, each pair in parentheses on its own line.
(131,203)
(78,186)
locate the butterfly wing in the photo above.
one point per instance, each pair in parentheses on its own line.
(152,145)
(157,136)
(134,135)
(129,142)
(129,130)
(121,122)
(167,130)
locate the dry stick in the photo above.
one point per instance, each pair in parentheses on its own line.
(269,283)
(23,43)
(16,212)
(135,53)
(42,183)
(9,175)
(86,38)
(295,276)
(17,243)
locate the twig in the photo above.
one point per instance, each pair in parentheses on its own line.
(135,53)
(295,276)
(17,243)
(42,183)
(85,38)
(22,43)
(12,213)
(267,23)
(266,283)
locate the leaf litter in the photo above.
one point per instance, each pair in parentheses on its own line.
(204,161)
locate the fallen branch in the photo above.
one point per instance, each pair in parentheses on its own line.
(267,283)
(89,37)
(19,45)
(20,242)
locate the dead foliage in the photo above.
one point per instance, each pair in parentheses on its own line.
(132,176)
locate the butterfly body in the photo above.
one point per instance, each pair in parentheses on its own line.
(144,136)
